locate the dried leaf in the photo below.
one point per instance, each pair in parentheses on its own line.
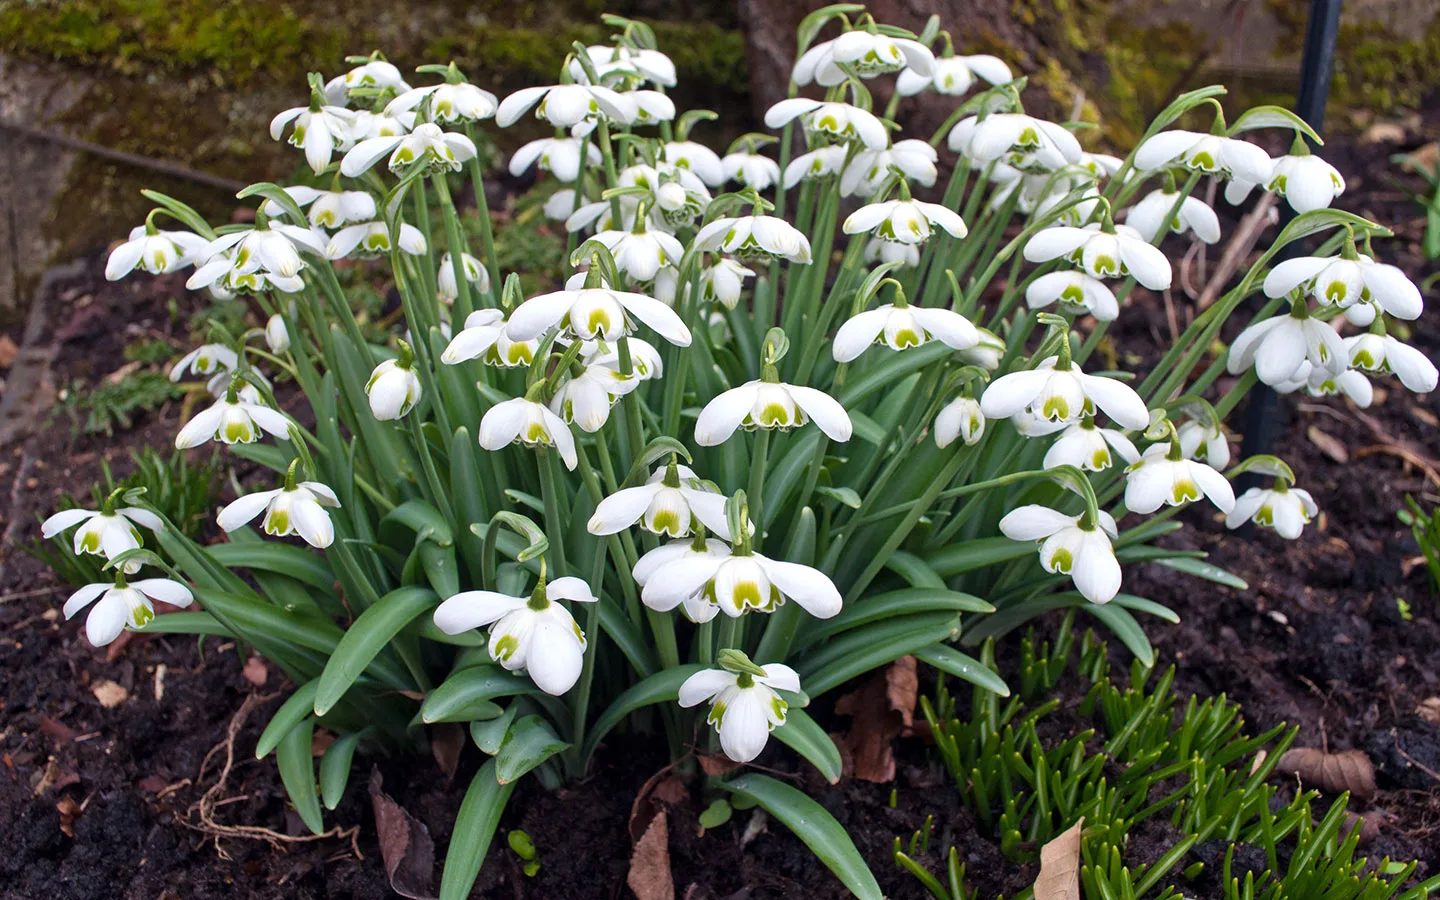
(447,739)
(1327,444)
(650,876)
(405,845)
(1331,772)
(109,693)
(69,811)
(1259,761)
(903,688)
(660,788)
(1429,710)
(1369,825)
(255,671)
(717,765)
(8,351)
(881,710)
(57,731)
(1059,877)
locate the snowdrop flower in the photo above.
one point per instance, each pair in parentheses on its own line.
(1278,346)
(206,359)
(640,254)
(318,129)
(645,360)
(651,107)
(1024,142)
(987,354)
(447,288)
(375,73)
(328,209)
(879,249)
(562,204)
(372,239)
(838,120)
(123,604)
(367,125)
(750,169)
(671,501)
(485,336)
(586,398)
(1211,154)
(295,508)
(1307,182)
(1148,217)
(240,417)
(277,336)
(1063,395)
(1070,545)
(621,61)
(1163,476)
(953,75)
(566,105)
(754,238)
(904,221)
(744,705)
(524,421)
(741,582)
(697,607)
(1076,292)
(1195,436)
(449,103)
(960,418)
(1086,446)
(1384,353)
(394,387)
(767,403)
(867,54)
(868,171)
(108,532)
(562,157)
(1351,383)
(427,145)
(157,252)
(1337,281)
(697,158)
(595,313)
(532,633)
(1104,254)
(902,326)
(815,164)
(723,281)
(272,249)
(1286,509)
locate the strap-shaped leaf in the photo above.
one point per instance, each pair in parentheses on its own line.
(825,837)
(529,743)
(1126,629)
(490,735)
(299,705)
(890,605)
(661,687)
(474,828)
(862,649)
(466,694)
(296,761)
(803,735)
(366,637)
(282,559)
(190,622)
(952,662)
(335,768)
(1208,571)
(967,556)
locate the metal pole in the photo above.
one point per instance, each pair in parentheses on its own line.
(1263,415)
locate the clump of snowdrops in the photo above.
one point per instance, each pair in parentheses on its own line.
(778,423)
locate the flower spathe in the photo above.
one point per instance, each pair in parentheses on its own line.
(899,327)
(1286,509)
(534,633)
(1104,254)
(523,421)
(1070,546)
(292,509)
(755,238)
(744,708)
(1164,477)
(595,313)
(742,583)
(1346,283)
(668,503)
(240,417)
(761,404)
(157,252)
(108,532)
(123,604)
(904,221)
(1063,395)
(838,120)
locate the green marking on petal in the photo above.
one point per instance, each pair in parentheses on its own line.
(506,647)
(1265,515)
(1061,561)
(238,433)
(277,522)
(747,593)
(1184,491)
(1056,408)
(142,616)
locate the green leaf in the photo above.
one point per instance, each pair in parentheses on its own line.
(810,26)
(1140,604)
(1126,629)
(366,637)
(952,662)
(891,605)
(862,649)
(490,735)
(662,687)
(186,623)
(812,824)
(1308,223)
(631,643)
(915,571)
(474,828)
(801,734)
(1273,117)
(296,761)
(297,707)
(465,695)
(282,559)
(1208,571)
(273,457)
(716,814)
(183,213)
(276,193)
(530,742)
(335,768)
(1181,105)
(843,495)
(977,554)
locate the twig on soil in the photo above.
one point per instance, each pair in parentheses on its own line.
(35,592)
(1241,243)
(200,816)
(1412,760)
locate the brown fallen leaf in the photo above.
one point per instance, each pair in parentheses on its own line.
(650,877)
(57,731)
(447,739)
(1369,825)
(109,693)
(69,811)
(1333,773)
(717,765)
(255,672)
(880,710)
(1328,444)
(8,351)
(1429,710)
(659,790)
(1059,877)
(405,845)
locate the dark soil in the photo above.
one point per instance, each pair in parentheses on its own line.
(101,802)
